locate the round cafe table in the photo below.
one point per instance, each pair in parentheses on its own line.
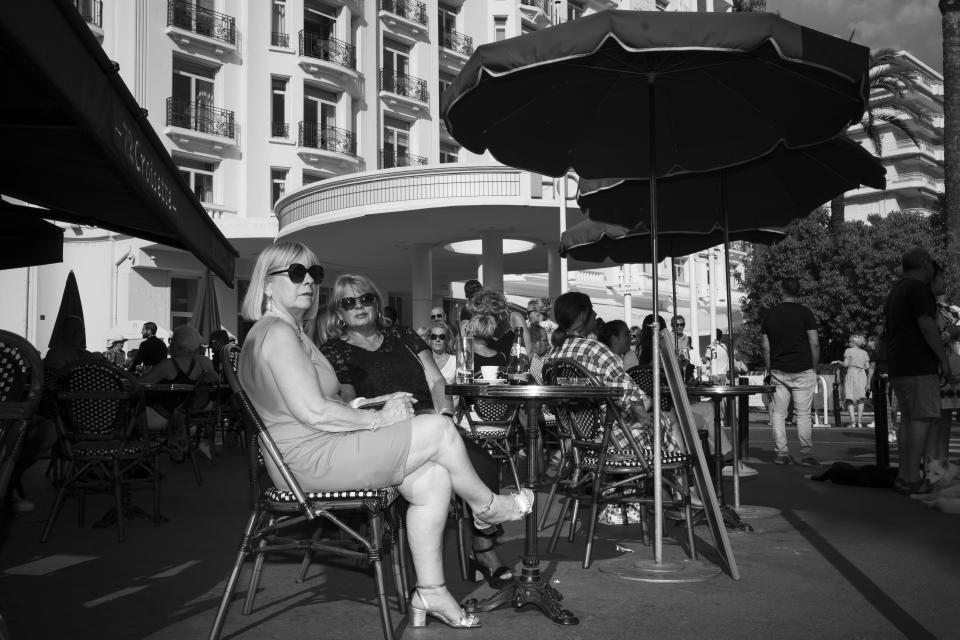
(717,393)
(529,587)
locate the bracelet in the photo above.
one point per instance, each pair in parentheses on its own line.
(377,421)
(447,412)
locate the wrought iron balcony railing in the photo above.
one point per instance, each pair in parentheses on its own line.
(409,9)
(543,5)
(404,85)
(390,159)
(200,117)
(279,130)
(279,39)
(456,42)
(327,138)
(91,11)
(314,45)
(189,16)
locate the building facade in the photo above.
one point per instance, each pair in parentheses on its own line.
(318,120)
(914,169)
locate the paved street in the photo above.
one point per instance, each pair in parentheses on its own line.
(834,562)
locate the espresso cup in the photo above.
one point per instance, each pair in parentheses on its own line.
(489,372)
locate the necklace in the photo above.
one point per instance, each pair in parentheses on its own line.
(368,343)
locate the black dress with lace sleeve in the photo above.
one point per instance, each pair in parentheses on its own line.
(394,366)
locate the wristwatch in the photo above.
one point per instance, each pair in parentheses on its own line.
(447,412)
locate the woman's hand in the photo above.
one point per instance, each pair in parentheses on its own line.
(398,407)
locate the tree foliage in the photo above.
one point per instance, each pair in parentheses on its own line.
(844,274)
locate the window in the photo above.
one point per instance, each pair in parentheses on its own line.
(574,10)
(320,20)
(183,298)
(319,115)
(396,60)
(446,79)
(448,153)
(278,108)
(278,24)
(499,28)
(199,175)
(680,271)
(278,185)
(446,18)
(396,143)
(395,301)
(192,92)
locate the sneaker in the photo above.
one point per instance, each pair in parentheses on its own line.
(22,505)
(745,471)
(809,461)
(783,458)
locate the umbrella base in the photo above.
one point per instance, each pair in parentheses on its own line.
(648,570)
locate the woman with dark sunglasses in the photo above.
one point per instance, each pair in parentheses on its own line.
(439,337)
(371,360)
(331,445)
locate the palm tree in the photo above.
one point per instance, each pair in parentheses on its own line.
(891,80)
(951,128)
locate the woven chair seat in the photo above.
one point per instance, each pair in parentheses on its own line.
(486,431)
(385,496)
(109,449)
(625,458)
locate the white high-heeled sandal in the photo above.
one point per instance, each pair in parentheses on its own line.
(418,615)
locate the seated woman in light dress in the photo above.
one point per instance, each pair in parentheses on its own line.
(440,338)
(330,445)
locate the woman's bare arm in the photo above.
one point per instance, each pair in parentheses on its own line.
(436,382)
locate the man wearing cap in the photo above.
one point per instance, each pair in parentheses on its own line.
(916,360)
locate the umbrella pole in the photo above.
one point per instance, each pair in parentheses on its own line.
(731,372)
(657,453)
(673,283)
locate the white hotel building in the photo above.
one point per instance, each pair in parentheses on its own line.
(319,121)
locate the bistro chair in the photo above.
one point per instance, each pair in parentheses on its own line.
(495,426)
(596,470)
(21,388)
(276,514)
(103,448)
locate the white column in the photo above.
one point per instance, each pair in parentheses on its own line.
(554,266)
(693,319)
(421,277)
(492,260)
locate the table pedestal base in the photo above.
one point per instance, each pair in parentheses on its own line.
(528,588)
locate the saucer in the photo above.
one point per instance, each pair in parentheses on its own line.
(484,381)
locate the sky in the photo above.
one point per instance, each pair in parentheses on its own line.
(913,25)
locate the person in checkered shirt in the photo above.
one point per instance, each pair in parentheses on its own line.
(575,318)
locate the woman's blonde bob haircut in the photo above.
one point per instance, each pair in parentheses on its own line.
(275,258)
(348,283)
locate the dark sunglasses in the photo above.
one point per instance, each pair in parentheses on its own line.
(296,272)
(681,324)
(437,316)
(438,336)
(366,300)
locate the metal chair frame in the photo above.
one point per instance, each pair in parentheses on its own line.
(275,512)
(591,460)
(98,413)
(21,388)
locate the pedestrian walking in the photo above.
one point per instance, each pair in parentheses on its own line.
(791,353)
(856,362)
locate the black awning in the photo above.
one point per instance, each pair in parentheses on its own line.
(74,139)
(27,239)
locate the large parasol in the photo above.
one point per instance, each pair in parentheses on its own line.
(625,94)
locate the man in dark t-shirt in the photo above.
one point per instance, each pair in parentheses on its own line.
(791,352)
(915,361)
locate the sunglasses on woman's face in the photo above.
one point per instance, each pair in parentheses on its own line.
(438,336)
(366,300)
(296,272)
(437,316)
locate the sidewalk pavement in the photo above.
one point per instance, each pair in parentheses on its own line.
(833,562)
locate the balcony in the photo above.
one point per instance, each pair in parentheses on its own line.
(279,39)
(906,147)
(92,12)
(455,50)
(279,130)
(329,148)
(200,127)
(391,159)
(330,61)
(404,96)
(195,27)
(536,12)
(917,180)
(405,19)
